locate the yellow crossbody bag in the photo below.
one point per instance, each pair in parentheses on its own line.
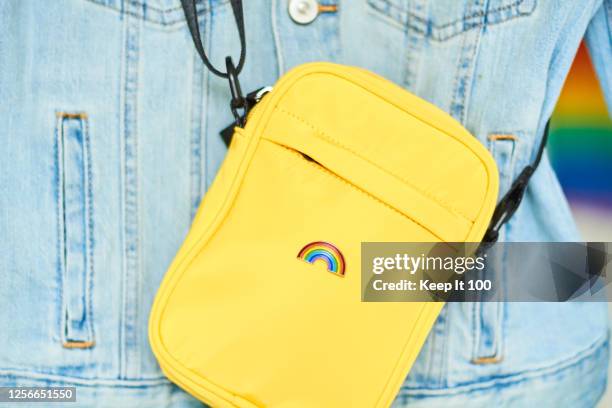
(262,304)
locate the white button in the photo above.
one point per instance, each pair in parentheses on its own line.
(303,11)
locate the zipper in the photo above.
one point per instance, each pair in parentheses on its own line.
(260,93)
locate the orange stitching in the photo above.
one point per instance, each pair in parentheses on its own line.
(329,8)
(68,115)
(329,139)
(486,360)
(78,344)
(502,136)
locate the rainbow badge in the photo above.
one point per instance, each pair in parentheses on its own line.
(325,252)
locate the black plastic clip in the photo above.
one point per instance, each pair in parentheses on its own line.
(250,101)
(508,205)
(238,102)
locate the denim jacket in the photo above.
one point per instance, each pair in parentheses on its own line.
(110,137)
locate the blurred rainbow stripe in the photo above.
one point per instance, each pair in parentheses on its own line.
(580,145)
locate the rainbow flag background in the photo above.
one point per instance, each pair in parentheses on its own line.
(580,148)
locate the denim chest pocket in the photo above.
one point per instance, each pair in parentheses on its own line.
(161,12)
(441,20)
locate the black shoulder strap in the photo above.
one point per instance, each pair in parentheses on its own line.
(510,202)
(238,102)
(191,15)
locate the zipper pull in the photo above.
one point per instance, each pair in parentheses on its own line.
(251,100)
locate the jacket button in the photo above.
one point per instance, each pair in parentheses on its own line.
(303,11)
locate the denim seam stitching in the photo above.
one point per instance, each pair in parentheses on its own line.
(403,17)
(89,231)
(131,244)
(475,330)
(413,46)
(277,39)
(90,227)
(121,131)
(208,35)
(195,170)
(164,17)
(464,76)
(444,372)
(475,15)
(60,226)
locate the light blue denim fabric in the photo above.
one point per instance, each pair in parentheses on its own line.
(109,138)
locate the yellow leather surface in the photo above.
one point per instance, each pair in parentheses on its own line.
(239,321)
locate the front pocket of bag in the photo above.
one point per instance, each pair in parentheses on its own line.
(390,189)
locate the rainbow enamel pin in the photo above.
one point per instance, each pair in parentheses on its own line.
(325,252)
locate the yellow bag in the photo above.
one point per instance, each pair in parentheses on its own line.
(331,157)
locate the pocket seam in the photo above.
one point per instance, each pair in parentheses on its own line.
(403,16)
(165,17)
(322,169)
